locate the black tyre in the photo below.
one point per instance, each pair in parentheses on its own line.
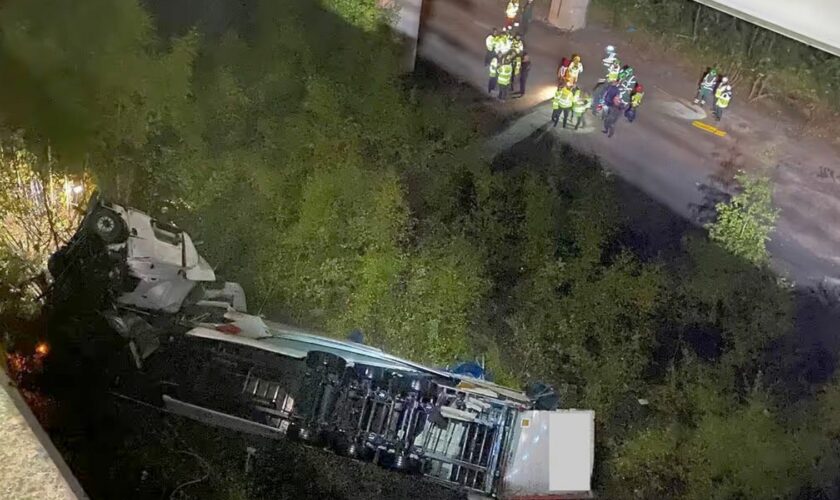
(108,226)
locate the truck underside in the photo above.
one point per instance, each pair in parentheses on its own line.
(447,429)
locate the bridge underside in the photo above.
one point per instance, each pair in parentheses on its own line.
(812,22)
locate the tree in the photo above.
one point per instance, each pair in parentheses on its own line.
(366,14)
(96,95)
(744,223)
(38,205)
(701,442)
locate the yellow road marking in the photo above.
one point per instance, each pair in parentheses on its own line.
(708,128)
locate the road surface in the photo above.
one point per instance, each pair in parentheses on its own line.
(662,153)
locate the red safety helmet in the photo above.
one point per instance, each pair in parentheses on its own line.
(638,88)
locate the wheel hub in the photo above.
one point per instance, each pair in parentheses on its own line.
(105,224)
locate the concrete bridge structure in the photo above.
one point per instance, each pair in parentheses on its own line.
(812,22)
(30,466)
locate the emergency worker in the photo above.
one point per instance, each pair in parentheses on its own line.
(611,56)
(707,85)
(613,114)
(561,71)
(504,43)
(564,100)
(523,72)
(636,97)
(574,70)
(511,12)
(504,77)
(493,73)
(582,102)
(626,82)
(490,44)
(723,96)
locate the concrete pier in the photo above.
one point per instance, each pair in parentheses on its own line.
(30,466)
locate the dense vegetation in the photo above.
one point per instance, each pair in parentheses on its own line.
(765,63)
(343,195)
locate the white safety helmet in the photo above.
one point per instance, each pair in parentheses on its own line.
(724,80)
(610,49)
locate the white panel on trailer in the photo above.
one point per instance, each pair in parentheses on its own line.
(571,457)
(552,453)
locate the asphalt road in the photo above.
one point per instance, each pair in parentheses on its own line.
(663,154)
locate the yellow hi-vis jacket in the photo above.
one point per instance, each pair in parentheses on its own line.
(494,68)
(490,42)
(563,98)
(574,71)
(581,105)
(504,44)
(722,97)
(512,9)
(505,72)
(612,72)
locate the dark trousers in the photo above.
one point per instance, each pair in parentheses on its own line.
(597,96)
(609,123)
(523,77)
(579,120)
(555,116)
(491,84)
(718,112)
(503,91)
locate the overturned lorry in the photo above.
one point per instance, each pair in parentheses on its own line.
(222,366)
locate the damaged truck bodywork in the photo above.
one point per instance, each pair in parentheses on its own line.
(224,367)
(366,404)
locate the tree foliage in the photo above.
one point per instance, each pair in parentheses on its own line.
(110,90)
(740,452)
(366,14)
(744,223)
(38,207)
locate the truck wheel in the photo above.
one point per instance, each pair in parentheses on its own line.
(108,226)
